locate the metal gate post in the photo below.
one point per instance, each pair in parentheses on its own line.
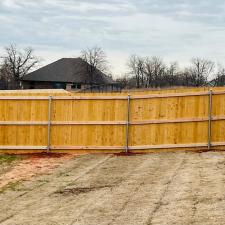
(210,119)
(49,123)
(127,125)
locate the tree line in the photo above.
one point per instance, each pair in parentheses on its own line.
(142,72)
(152,72)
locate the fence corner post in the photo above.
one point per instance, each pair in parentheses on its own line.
(49,123)
(127,124)
(210,119)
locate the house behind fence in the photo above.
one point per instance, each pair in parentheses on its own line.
(70,74)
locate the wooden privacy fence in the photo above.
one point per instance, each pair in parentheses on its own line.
(113,122)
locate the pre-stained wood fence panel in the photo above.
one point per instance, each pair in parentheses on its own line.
(23,135)
(169,108)
(165,109)
(218,131)
(88,110)
(157,134)
(24,110)
(158,119)
(11,135)
(91,135)
(218,105)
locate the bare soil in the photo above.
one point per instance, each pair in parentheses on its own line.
(13,171)
(163,188)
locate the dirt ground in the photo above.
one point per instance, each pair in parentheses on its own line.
(163,188)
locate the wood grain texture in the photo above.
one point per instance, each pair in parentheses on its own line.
(159,119)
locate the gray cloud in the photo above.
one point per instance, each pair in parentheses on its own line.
(174,29)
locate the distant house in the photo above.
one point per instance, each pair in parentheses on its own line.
(67,73)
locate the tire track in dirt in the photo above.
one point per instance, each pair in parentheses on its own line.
(73,201)
(163,194)
(196,193)
(58,174)
(209,198)
(99,197)
(95,197)
(178,203)
(44,186)
(161,168)
(195,199)
(159,189)
(122,196)
(89,170)
(136,189)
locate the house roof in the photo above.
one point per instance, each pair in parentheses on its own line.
(72,70)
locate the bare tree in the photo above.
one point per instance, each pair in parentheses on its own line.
(154,70)
(171,73)
(96,59)
(6,78)
(200,71)
(185,77)
(123,81)
(159,71)
(220,77)
(17,62)
(133,70)
(149,72)
(136,65)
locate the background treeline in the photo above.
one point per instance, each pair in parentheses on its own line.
(142,72)
(152,72)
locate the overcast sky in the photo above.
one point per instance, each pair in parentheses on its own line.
(172,29)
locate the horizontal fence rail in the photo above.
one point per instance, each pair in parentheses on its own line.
(126,138)
(170,95)
(55,123)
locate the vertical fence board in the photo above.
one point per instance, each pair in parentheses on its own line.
(81,136)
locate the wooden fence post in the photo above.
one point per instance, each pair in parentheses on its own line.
(127,124)
(210,120)
(49,123)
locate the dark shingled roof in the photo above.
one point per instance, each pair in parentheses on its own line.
(69,70)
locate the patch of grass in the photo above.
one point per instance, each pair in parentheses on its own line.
(11,186)
(7,159)
(44,181)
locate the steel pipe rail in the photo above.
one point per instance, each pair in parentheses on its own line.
(210,119)
(49,123)
(127,124)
